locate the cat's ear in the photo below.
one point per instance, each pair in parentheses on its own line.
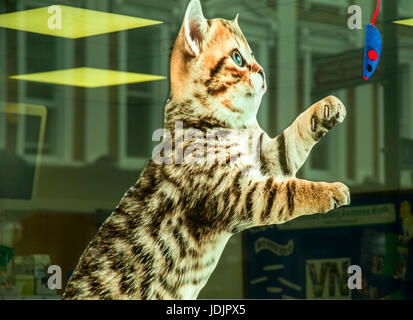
(235,21)
(195,26)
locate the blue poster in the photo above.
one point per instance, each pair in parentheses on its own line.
(309,257)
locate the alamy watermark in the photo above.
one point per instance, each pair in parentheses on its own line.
(55,280)
(192,146)
(355,280)
(354,21)
(55,20)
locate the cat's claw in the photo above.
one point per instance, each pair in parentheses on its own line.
(333,109)
(327,113)
(339,196)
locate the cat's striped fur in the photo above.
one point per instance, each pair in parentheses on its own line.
(166,235)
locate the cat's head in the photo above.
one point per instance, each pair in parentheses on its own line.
(213,64)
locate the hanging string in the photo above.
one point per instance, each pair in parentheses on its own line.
(375,13)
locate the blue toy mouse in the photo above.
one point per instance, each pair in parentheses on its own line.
(372,49)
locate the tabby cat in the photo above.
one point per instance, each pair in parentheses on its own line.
(166,236)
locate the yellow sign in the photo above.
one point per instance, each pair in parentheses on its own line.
(88,77)
(70,22)
(405,22)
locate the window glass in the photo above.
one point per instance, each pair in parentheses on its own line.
(91,76)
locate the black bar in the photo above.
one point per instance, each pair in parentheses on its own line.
(207,309)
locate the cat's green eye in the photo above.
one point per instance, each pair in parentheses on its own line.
(236,56)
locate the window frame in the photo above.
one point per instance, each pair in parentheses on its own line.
(62,103)
(126,161)
(3,84)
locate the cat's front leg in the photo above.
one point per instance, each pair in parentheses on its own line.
(304,197)
(285,154)
(270,202)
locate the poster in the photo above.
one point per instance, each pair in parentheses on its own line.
(348,216)
(308,258)
(327,278)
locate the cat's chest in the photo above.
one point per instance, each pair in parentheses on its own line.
(233,147)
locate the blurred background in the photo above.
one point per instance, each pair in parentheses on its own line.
(71,145)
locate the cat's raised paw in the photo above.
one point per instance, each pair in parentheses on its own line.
(327,113)
(333,109)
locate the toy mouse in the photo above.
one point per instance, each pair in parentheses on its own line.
(372,49)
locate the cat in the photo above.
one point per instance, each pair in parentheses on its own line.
(166,235)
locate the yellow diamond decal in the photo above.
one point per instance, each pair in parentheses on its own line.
(88,77)
(406,22)
(70,22)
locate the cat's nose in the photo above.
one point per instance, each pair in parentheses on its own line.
(262,74)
